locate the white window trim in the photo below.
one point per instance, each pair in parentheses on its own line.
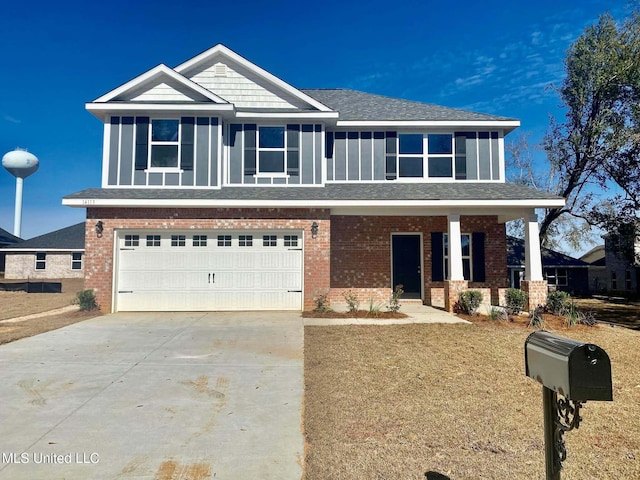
(445,255)
(283,149)
(152,143)
(44,261)
(74,261)
(451,156)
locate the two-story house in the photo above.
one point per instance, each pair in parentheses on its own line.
(226,188)
(622,260)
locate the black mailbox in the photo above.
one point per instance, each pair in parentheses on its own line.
(578,371)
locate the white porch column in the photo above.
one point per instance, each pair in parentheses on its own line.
(455,248)
(533,258)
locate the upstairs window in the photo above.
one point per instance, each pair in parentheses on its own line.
(271,150)
(411,155)
(440,155)
(164,143)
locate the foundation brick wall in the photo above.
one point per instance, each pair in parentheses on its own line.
(365,295)
(536,291)
(452,290)
(437,297)
(99,250)
(361,251)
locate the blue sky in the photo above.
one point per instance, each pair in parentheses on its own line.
(492,56)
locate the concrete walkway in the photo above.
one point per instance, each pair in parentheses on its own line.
(155,396)
(417,313)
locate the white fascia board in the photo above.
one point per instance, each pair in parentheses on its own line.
(101,110)
(272,79)
(476,205)
(293,115)
(506,124)
(160,70)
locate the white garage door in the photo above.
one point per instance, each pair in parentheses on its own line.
(208,270)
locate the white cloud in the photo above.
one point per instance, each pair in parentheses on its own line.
(10,119)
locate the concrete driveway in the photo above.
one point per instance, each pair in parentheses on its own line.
(155,396)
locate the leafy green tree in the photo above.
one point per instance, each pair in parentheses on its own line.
(593,154)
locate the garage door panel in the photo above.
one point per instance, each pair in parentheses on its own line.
(231,274)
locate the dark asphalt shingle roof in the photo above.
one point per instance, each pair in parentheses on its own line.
(334,191)
(7,238)
(354,105)
(69,238)
(550,258)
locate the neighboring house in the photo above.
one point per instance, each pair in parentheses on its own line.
(598,275)
(53,255)
(6,239)
(623,271)
(562,272)
(225,188)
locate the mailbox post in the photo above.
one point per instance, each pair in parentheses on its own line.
(577,372)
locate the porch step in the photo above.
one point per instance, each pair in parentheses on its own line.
(411,301)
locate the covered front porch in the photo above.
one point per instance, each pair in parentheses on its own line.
(433,255)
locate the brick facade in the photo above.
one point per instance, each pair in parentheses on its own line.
(361,252)
(99,250)
(452,290)
(536,291)
(349,252)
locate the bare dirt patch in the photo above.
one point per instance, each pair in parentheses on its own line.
(10,332)
(19,304)
(453,402)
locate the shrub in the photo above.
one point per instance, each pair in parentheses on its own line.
(353,303)
(497,314)
(588,318)
(374,308)
(535,317)
(557,302)
(516,300)
(86,299)
(322,302)
(394,301)
(469,301)
(571,314)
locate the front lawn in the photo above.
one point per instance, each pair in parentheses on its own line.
(452,401)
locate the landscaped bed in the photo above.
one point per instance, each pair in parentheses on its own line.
(418,401)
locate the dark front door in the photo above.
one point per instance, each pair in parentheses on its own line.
(406,264)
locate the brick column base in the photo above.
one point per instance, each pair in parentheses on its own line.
(452,289)
(536,291)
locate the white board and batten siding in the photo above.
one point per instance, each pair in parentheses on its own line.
(240,270)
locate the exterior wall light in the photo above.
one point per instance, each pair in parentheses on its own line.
(314,229)
(99,228)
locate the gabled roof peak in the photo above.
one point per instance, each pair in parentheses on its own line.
(156,73)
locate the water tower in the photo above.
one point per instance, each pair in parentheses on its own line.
(20,164)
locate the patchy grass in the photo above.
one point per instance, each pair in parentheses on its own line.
(18,304)
(12,331)
(625,313)
(452,401)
